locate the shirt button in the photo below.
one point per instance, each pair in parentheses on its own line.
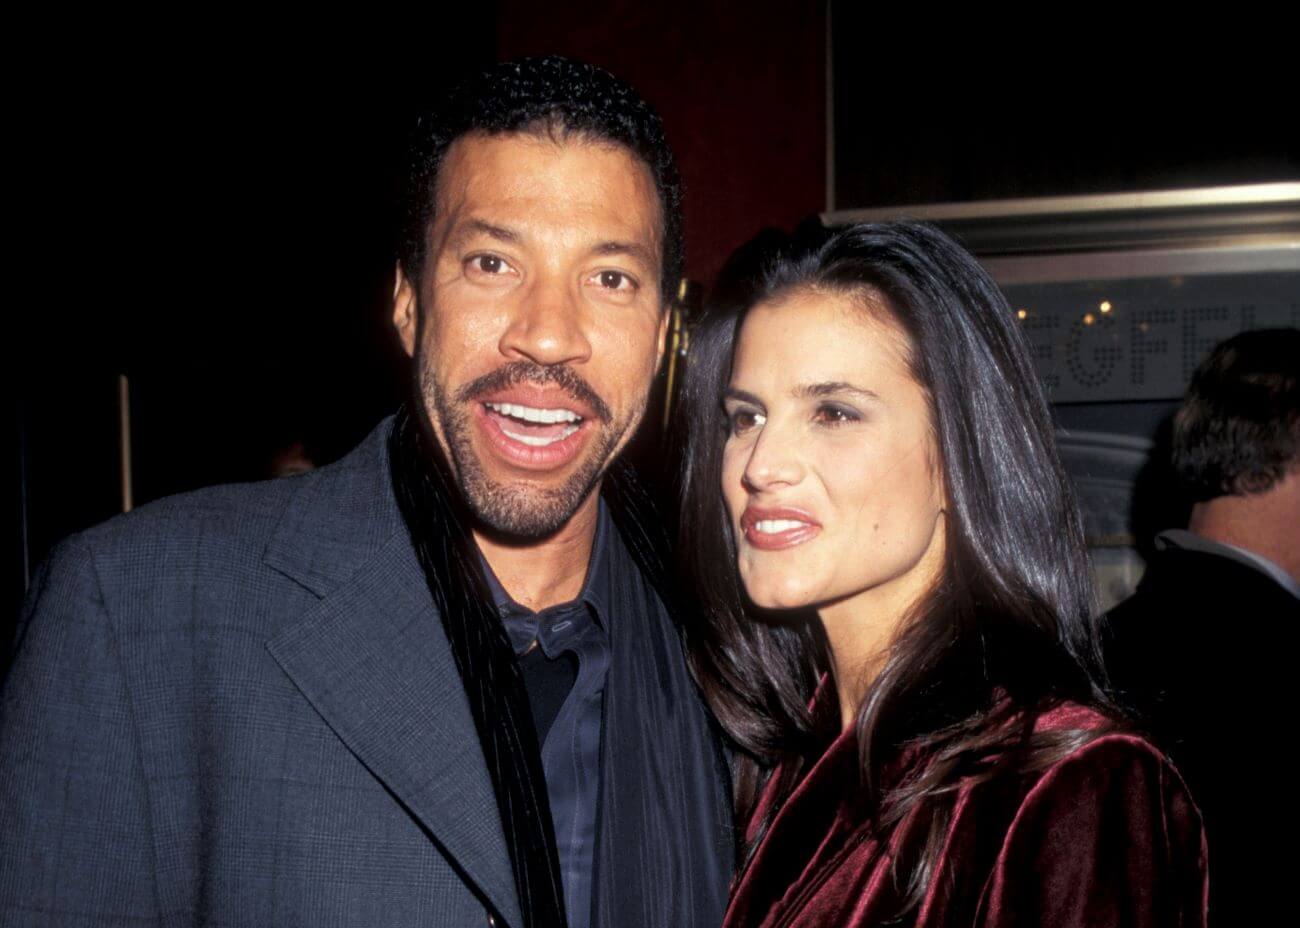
(491,921)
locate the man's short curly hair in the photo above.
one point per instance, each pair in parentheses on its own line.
(1238,430)
(553,96)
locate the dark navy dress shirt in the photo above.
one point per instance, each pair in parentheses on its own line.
(564,652)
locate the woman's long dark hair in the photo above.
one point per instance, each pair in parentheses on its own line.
(1008,629)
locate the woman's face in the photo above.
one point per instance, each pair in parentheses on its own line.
(830,472)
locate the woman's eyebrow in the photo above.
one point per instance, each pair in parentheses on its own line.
(831,388)
(744,396)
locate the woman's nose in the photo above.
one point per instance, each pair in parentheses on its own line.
(774,461)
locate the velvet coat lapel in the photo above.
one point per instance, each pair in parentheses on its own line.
(372,659)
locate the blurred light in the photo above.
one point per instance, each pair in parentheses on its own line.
(1022,314)
(1089,318)
(1105,306)
(1144,327)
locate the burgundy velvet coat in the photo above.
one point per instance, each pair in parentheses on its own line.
(1106,836)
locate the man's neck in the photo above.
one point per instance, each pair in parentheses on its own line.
(1262,523)
(547,572)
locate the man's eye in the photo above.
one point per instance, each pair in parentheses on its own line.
(615,280)
(488,264)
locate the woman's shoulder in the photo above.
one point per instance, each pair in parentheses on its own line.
(1104,828)
(1086,735)
(1073,716)
(1090,753)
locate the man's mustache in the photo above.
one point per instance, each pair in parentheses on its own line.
(517,372)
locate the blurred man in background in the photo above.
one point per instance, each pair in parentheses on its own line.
(1204,651)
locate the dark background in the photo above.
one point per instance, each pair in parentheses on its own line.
(207,203)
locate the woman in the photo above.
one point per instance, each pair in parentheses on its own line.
(906,661)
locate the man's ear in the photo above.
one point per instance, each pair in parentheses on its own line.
(405,310)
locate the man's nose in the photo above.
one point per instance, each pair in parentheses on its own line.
(774,460)
(548,326)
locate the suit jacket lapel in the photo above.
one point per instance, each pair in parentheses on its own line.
(372,659)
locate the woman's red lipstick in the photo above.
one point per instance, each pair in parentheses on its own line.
(771,529)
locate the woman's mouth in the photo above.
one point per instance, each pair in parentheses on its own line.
(777,529)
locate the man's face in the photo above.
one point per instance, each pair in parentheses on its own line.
(539,323)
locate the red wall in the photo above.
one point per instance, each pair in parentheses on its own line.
(741,87)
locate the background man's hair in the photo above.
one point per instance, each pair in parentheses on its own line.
(550,96)
(1238,430)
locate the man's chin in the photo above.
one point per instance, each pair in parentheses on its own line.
(528,505)
(526,512)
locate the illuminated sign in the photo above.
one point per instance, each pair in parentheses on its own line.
(1140,339)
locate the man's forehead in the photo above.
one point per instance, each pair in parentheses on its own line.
(562,178)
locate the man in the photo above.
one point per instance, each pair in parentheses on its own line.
(435,683)
(1204,650)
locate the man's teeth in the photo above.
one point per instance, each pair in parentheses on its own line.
(538,442)
(772,526)
(530,414)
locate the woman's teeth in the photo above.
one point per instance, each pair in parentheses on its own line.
(773,526)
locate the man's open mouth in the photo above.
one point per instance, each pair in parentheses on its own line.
(534,426)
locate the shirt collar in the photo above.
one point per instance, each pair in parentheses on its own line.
(1190,541)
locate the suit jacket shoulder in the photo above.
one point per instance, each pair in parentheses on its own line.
(245,694)
(314,528)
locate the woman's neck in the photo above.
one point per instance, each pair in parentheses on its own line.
(861,628)
(858,647)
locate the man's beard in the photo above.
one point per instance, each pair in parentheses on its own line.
(520,510)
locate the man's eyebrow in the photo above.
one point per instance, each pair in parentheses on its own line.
(633,250)
(472,227)
(831,388)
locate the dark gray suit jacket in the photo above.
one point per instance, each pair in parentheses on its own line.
(238,707)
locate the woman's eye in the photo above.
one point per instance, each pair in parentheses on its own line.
(742,420)
(835,415)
